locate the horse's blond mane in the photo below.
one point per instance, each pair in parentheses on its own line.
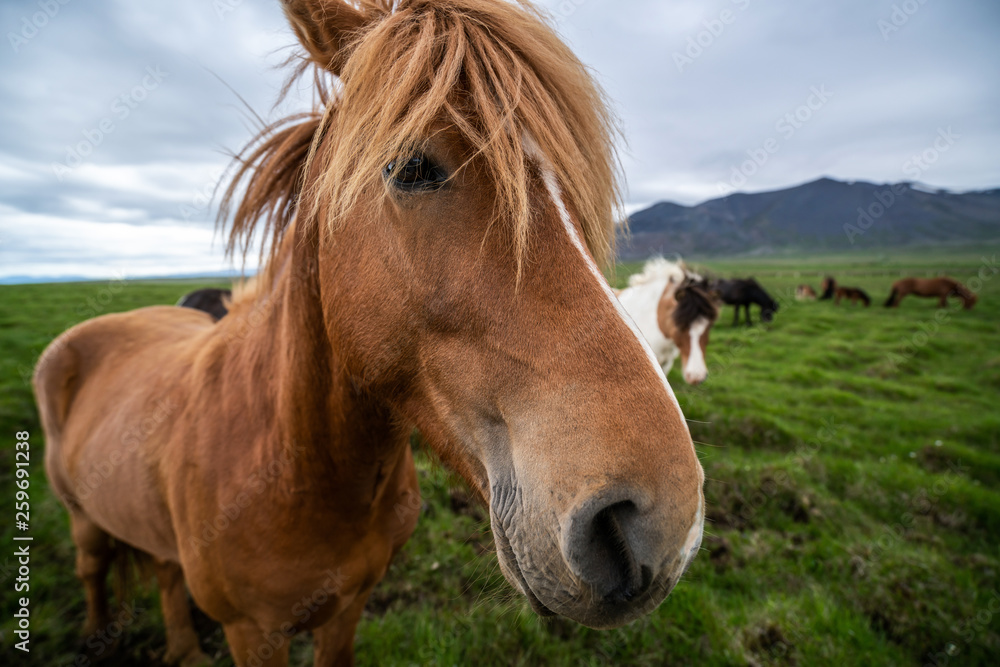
(493,69)
(659,268)
(272,167)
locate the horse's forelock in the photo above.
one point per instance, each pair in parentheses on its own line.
(493,69)
(658,268)
(695,303)
(496,72)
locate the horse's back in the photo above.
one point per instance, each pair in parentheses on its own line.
(926,286)
(105,390)
(729,290)
(83,349)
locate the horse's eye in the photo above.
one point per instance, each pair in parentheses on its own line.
(417,173)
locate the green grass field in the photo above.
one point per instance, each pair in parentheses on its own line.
(853,459)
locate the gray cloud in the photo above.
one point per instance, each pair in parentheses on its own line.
(702,88)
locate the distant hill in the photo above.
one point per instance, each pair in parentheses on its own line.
(70,278)
(819,216)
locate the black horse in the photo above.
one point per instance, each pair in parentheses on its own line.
(743,292)
(829,288)
(211,300)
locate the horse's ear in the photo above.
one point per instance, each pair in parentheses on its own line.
(325,29)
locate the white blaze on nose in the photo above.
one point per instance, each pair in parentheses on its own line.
(552,185)
(693,540)
(695,370)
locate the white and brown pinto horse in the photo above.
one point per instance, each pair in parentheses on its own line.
(674,309)
(437,231)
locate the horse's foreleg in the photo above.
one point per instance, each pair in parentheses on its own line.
(943,301)
(182,640)
(736,315)
(252,647)
(93,560)
(334,642)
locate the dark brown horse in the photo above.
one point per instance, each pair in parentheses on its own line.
(854,294)
(211,300)
(437,234)
(828,288)
(941,288)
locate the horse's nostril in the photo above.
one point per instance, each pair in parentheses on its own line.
(603,556)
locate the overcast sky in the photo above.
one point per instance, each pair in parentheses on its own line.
(115,122)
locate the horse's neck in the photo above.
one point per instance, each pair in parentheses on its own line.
(337,439)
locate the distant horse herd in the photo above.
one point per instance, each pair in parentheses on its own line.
(942,288)
(675,308)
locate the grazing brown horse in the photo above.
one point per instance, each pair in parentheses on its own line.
(805,293)
(855,294)
(942,288)
(675,310)
(437,232)
(211,300)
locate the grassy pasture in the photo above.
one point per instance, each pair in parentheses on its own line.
(853,459)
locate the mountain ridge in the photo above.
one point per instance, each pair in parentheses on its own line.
(821,215)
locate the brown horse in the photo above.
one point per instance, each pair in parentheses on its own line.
(805,293)
(437,235)
(855,294)
(942,288)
